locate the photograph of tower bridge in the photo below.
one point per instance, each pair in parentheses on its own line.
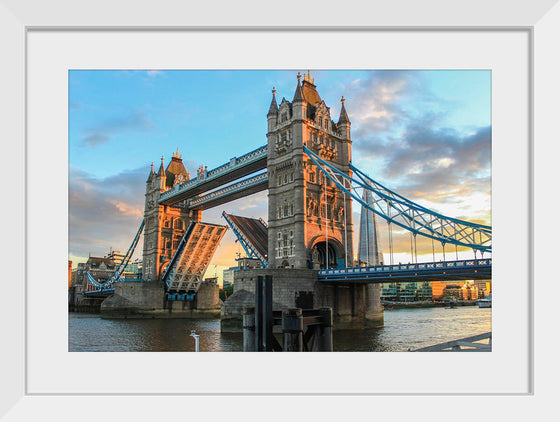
(279,210)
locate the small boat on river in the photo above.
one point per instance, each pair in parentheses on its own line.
(486,302)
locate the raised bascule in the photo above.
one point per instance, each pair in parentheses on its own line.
(307,243)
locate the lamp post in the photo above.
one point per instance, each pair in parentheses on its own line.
(196,342)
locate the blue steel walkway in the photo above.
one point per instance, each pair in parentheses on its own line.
(473,269)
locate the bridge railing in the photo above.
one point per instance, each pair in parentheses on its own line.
(408,267)
(235,162)
(229,190)
(402,212)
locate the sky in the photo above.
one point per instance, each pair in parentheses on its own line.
(425,134)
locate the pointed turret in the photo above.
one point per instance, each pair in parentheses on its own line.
(343,115)
(273,110)
(161,171)
(152,173)
(343,124)
(298,96)
(161,175)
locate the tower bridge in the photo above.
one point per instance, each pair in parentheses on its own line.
(306,243)
(206,180)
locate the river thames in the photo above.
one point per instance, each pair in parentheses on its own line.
(403,329)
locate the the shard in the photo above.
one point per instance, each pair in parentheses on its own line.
(368,250)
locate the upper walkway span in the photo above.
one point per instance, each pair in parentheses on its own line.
(207,180)
(230,193)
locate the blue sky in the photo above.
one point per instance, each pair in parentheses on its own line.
(425,134)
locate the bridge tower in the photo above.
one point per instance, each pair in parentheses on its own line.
(164,224)
(309,218)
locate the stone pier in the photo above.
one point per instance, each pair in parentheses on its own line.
(148,300)
(354,306)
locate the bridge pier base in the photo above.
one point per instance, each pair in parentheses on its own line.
(373,308)
(148,300)
(354,305)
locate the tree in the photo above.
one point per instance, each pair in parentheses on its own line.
(227,292)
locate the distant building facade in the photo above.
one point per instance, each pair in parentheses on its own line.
(407,291)
(100,269)
(69,273)
(228,276)
(435,290)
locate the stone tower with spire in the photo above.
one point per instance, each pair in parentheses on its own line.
(164,225)
(309,218)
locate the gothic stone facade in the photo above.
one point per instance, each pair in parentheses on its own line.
(306,212)
(164,225)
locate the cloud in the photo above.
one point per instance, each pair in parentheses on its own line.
(104,213)
(153,73)
(96,138)
(103,132)
(400,139)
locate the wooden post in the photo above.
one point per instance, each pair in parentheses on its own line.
(322,339)
(249,329)
(292,326)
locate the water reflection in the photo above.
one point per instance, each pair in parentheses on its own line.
(403,329)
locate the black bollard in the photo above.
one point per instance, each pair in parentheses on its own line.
(267,314)
(292,326)
(259,317)
(249,329)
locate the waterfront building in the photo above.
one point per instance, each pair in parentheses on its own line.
(228,276)
(438,288)
(99,268)
(406,292)
(470,291)
(460,291)
(484,287)
(467,290)
(116,256)
(69,273)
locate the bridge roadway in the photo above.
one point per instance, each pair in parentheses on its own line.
(236,168)
(473,269)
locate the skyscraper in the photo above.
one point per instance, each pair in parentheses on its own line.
(369,252)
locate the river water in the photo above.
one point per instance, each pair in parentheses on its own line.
(403,329)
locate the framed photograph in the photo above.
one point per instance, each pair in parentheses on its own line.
(44,44)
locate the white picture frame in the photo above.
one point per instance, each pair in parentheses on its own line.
(539,20)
